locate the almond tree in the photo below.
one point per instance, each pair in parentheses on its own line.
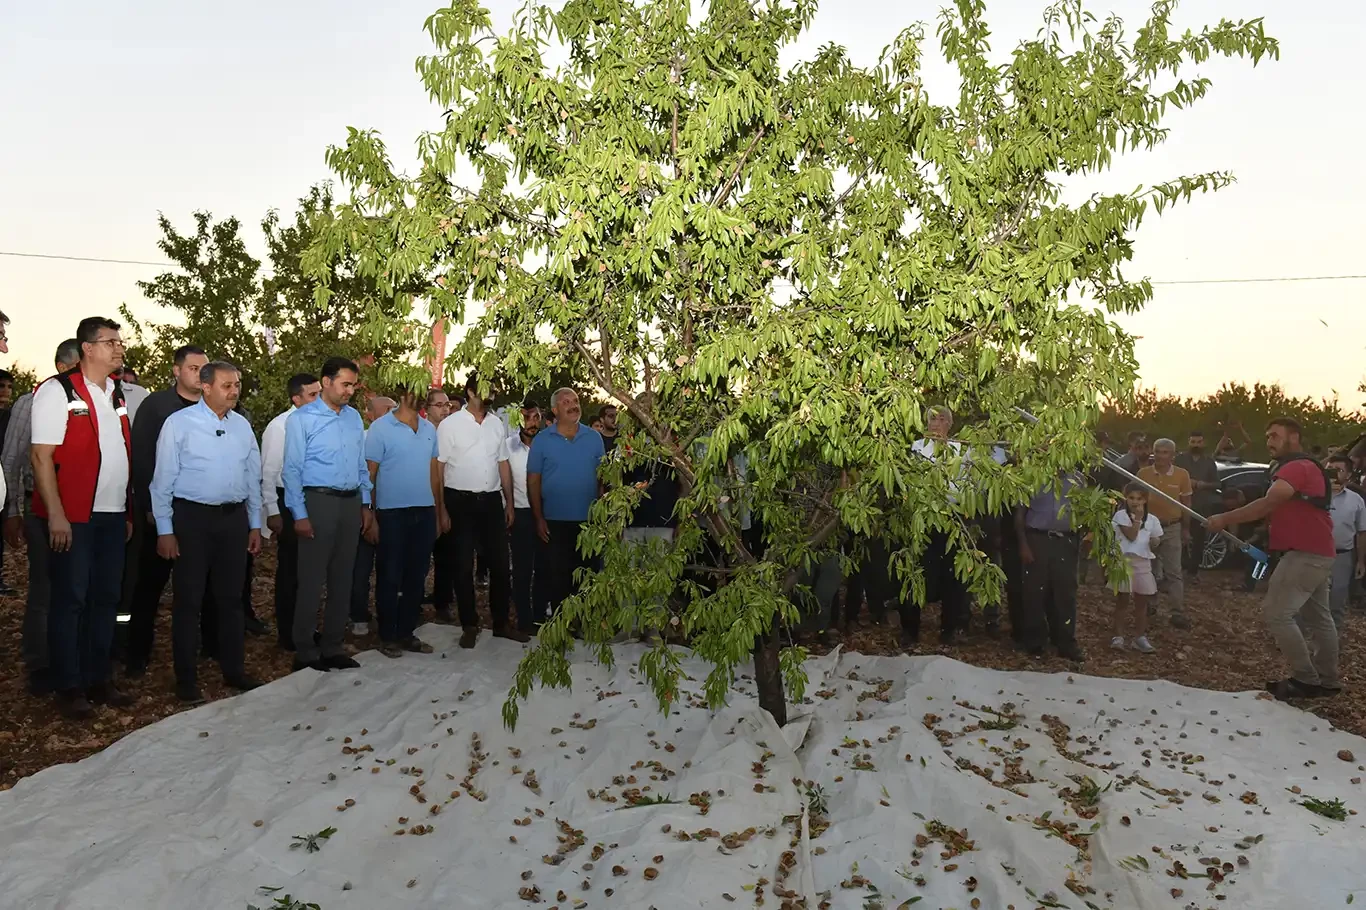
(789,265)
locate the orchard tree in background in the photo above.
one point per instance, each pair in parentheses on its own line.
(776,272)
(271,326)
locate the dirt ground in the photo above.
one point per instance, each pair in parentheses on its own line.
(1228,649)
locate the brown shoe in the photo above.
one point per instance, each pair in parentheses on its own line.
(73,705)
(417,646)
(512,635)
(391,649)
(107,694)
(468,637)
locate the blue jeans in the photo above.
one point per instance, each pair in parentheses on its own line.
(85,602)
(406,537)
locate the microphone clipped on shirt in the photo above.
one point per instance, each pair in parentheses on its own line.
(218,432)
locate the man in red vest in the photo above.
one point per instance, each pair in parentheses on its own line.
(80,455)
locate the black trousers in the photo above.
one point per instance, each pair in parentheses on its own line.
(478,522)
(563,559)
(286,575)
(361,571)
(529,571)
(1049,589)
(443,569)
(213,557)
(1190,556)
(148,583)
(942,585)
(405,542)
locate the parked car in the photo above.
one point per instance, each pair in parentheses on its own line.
(1249,479)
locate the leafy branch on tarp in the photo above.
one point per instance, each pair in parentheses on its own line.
(288,902)
(312,843)
(1335,809)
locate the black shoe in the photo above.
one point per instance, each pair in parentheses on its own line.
(309,665)
(73,705)
(135,669)
(254,626)
(340,662)
(1179,621)
(1329,691)
(444,614)
(188,694)
(1034,651)
(468,637)
(1072,652)
(1286,689)
(510,634)
(107,694)
(243,683)
(909,642)
(948,637)
(40,683)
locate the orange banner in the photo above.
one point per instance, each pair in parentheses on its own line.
(437,364)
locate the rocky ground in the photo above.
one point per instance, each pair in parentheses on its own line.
(1228,649)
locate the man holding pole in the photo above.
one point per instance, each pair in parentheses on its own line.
(1301,530)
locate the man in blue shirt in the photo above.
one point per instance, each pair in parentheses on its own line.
(327,490)
(205,498)
(562,483)
(1049,547)
(400,451)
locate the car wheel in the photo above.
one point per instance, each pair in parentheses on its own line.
(1215,553)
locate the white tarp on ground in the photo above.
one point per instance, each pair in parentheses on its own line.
(167,817)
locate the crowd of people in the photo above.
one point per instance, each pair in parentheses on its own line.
(114,492)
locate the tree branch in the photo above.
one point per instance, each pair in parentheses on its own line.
(739,165)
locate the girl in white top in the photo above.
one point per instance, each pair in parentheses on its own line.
(1139,534)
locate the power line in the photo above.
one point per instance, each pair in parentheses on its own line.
(85,259)
(1265,280)
(1180,281)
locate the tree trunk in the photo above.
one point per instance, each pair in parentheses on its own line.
(769,679)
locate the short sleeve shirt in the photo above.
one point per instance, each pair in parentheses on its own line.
(1349,519)
(404,456)
(569,471)
(1142,545)
(470,451)
(49,429)
(1177,484)
(1296,524)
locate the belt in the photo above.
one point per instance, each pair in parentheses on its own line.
(221,506)
(1061,535)
(1340,552)
(498,493)
(333,491)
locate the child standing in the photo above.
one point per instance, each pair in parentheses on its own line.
(1139,533)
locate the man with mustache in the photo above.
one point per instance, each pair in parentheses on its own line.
(206,502)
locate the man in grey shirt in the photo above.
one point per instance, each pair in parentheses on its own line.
(1205,499)
(1049,547)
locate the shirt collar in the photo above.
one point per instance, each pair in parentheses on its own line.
(208,411)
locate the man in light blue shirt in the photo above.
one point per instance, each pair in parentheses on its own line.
(206,502)
(400,451)
(327,490)
(561,484)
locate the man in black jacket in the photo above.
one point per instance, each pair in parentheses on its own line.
(143,594)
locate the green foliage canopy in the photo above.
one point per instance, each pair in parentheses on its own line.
(789,265)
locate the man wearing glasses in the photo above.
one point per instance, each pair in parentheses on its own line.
(1348,510)
(80,455)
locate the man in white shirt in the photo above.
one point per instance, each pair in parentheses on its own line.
(1348,510)
(80,425)
(472,447)
(941,582)
(528,583)
(303,388)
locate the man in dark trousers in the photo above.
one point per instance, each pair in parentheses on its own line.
(80,455)
(1049,546)
(562,483)
(206,502)
(400,451)
(439,407)
(302,388)
(24,527)
(1205,499)
(142,594)
(472,446)
(327,490)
